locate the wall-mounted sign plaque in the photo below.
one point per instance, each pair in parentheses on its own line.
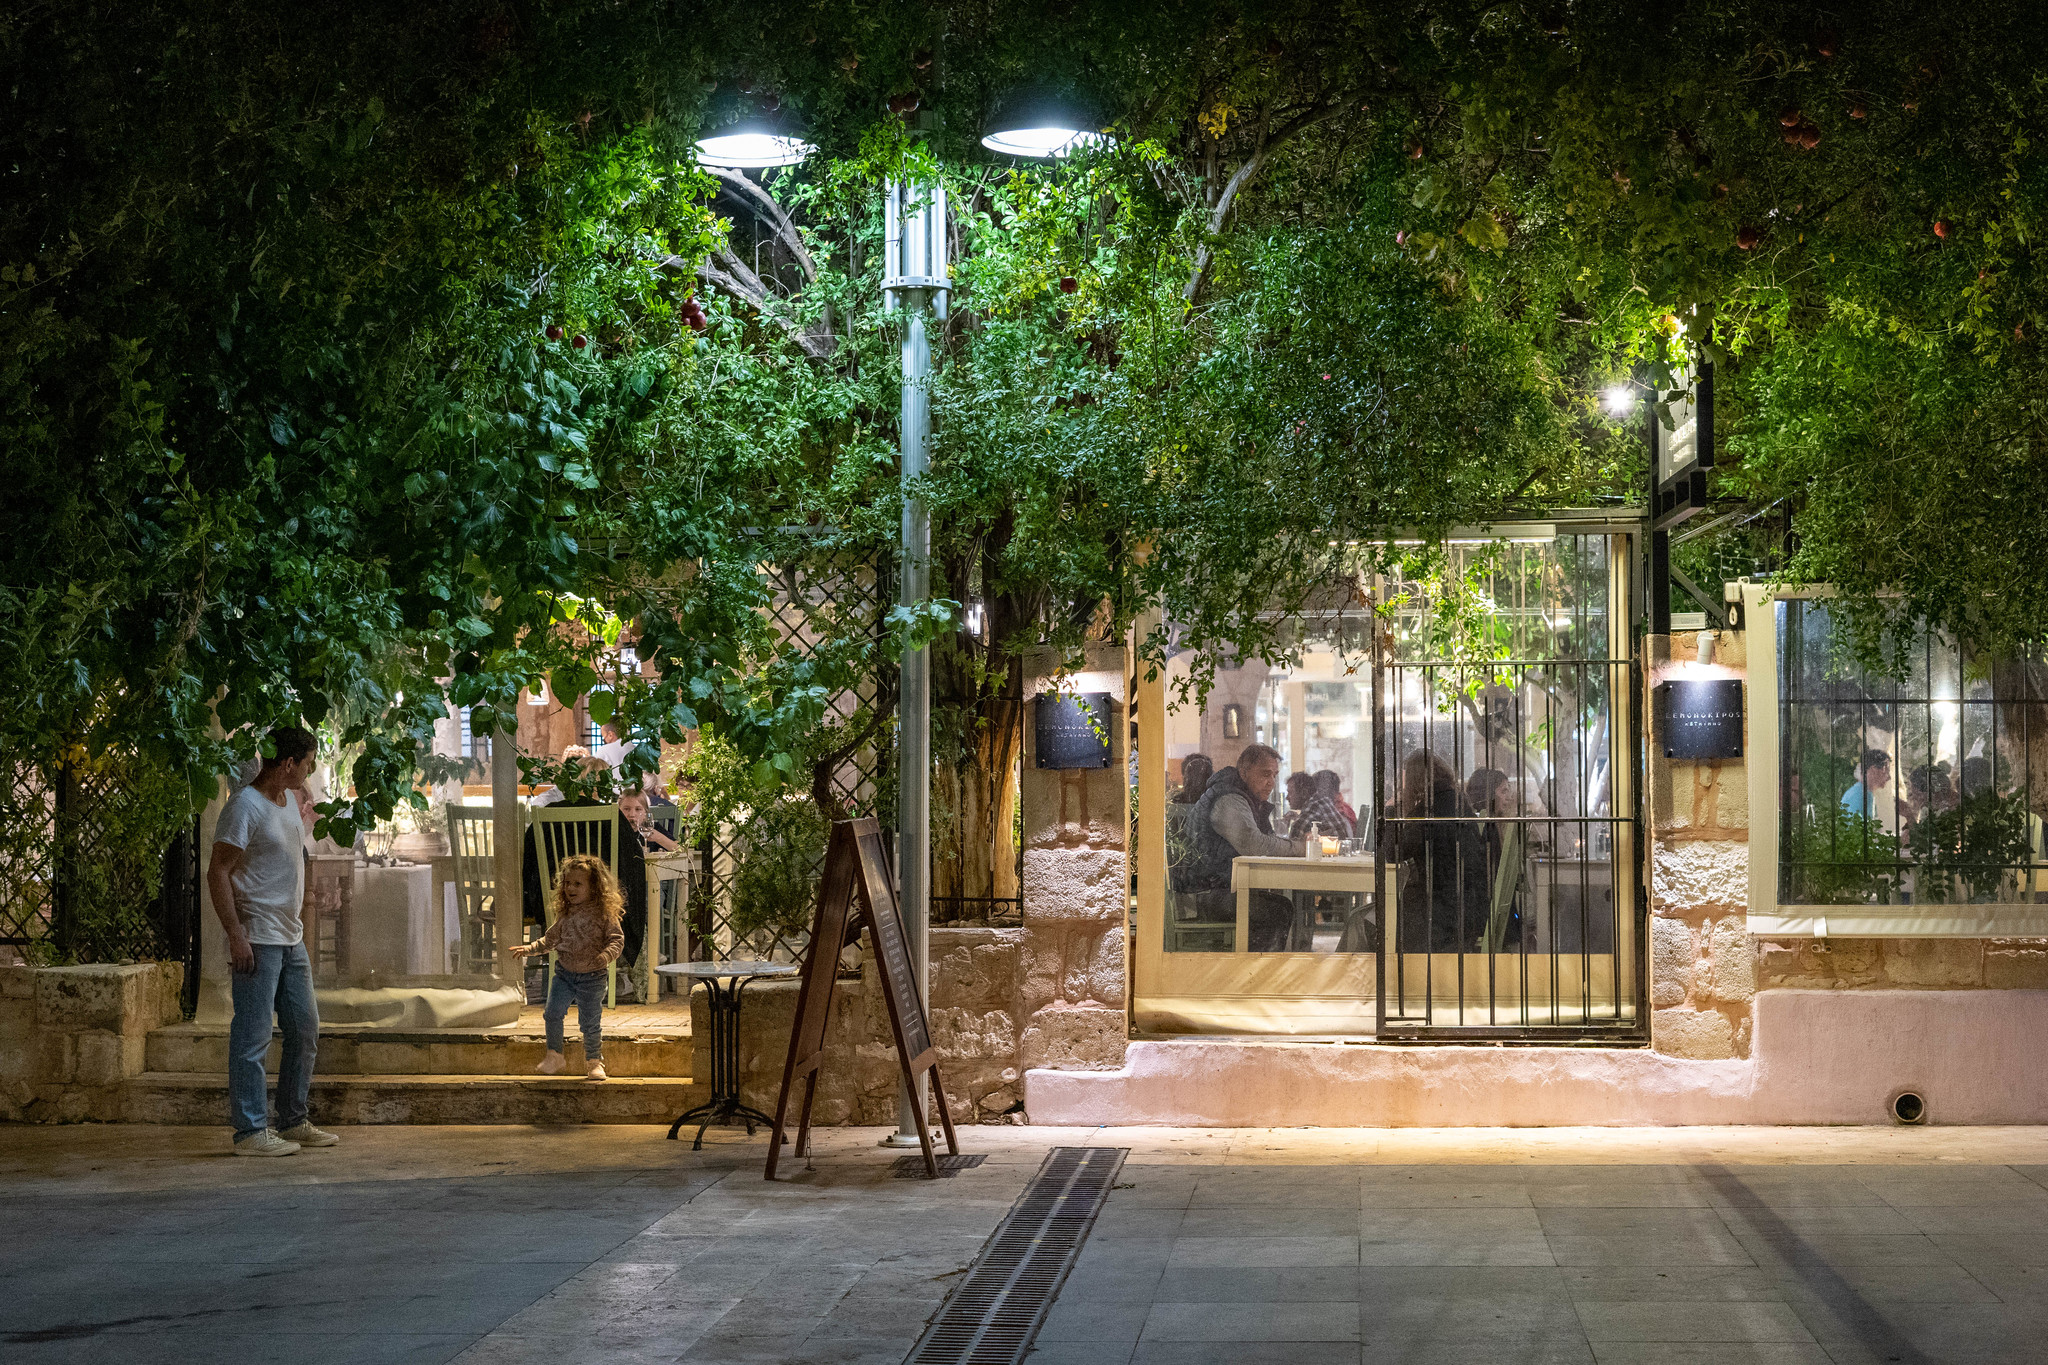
(1073,732)
(1700,717)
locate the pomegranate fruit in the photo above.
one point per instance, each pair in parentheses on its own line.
(579,341)
(554,333)
(1747,237)
(1068,284)
(1944,229)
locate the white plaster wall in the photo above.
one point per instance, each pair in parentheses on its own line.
(1816,1057)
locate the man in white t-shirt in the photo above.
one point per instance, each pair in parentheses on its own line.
(616,746)
(257,878)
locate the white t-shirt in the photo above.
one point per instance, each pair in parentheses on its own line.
(270,884)
(615,752)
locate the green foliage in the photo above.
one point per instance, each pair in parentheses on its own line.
(1831,857)
(1969,851)
(286,437)
(781,857)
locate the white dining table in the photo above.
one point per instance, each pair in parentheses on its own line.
(1352,874)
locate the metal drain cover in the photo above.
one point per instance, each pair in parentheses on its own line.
(996,1311)
(912,1167)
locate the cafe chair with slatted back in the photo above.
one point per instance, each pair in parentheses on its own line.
(476,884)
(562,832)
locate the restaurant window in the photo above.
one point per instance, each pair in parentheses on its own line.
(1896,802)
(475,747)
(1269,940)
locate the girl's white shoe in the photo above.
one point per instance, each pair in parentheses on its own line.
(595,1072)
(554,1064)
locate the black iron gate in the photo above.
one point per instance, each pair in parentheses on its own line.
(1510,798)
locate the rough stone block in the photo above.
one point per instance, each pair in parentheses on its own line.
(391,1059)
(1701,1035)
(17,983)
(1074,884)
(1074,1038)
(1103,979)
(976,969)
(1671,961)
(103,1058)
(55,1058)
(1818,964)
(1947,962)
(1058,959)
(2016,964)
(1707,875)
(94,996)
(1732,957)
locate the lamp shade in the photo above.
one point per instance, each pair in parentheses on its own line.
(1041,123)
(751,135)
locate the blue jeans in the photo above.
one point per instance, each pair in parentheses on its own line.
(586,990)
(281,984)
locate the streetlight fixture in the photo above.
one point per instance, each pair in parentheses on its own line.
(757,138)
(1041,123)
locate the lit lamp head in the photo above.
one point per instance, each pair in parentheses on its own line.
(750,134)
(1041,123)
(1619,398)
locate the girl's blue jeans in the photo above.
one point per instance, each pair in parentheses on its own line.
(586,990)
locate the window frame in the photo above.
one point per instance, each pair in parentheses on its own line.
(1768,917)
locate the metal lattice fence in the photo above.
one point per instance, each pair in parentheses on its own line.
(98,863)
(810,605)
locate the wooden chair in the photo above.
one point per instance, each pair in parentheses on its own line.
(476,883)
(330,896)
(562,832)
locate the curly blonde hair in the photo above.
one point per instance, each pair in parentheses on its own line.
(609,900)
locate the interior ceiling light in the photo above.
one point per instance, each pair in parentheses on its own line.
(1041,123)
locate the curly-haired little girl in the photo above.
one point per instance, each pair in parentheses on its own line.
(586,938)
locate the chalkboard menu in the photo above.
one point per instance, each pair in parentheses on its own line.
(857,869)
(1700,717)
(1073,731)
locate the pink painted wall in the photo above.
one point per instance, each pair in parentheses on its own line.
(1819,1057)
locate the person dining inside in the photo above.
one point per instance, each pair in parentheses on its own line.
(1234,819)
(1868,798)
(1446,899)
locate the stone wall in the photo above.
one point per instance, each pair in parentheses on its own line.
(1705,969)
(1003,1001)
(70,1036)
(975,990)
(1076,884)
(1702,961)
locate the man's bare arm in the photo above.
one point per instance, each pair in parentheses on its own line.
(220,884)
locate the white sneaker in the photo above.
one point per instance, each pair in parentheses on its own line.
(306,1135)
(595,1072)
(265,1143)
(554,1064)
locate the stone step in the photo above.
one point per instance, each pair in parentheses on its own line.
(346,1051)
(188,1097)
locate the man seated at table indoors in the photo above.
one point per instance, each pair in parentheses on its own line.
(1317,807)
(1234,819)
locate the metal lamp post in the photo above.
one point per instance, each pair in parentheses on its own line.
(914,282)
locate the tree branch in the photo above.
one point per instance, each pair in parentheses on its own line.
(1238,180)
(759,199)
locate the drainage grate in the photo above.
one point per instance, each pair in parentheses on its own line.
(992,1317)
(912,1167)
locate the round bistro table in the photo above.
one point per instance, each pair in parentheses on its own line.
(724,982)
